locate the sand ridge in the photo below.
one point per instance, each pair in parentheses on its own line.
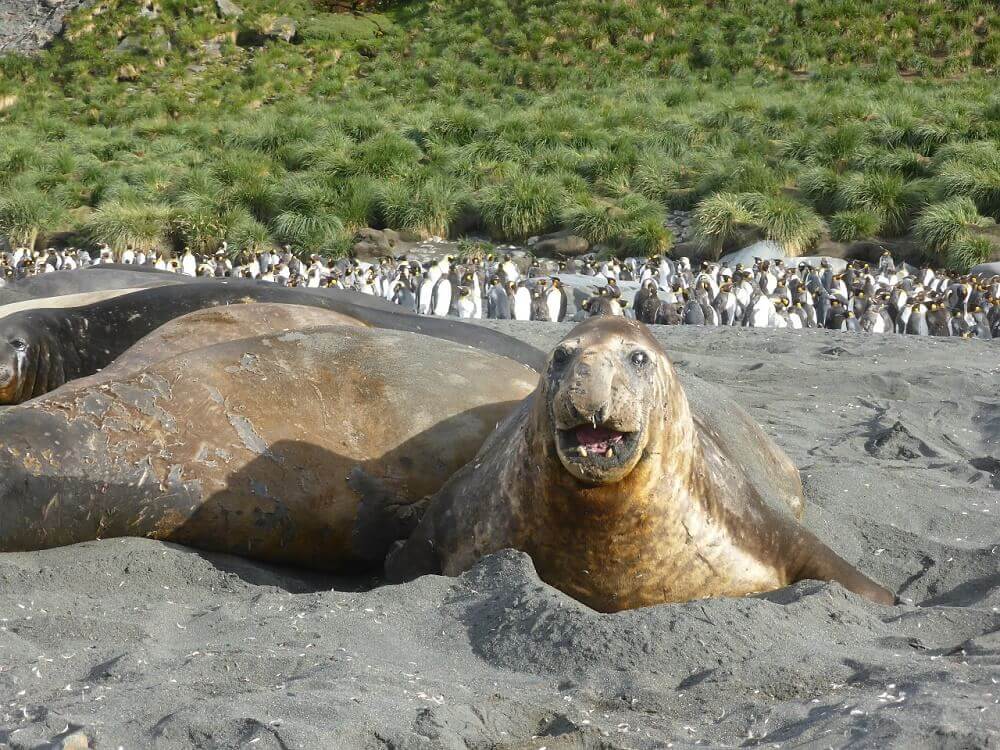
(143,644)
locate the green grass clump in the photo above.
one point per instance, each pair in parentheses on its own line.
(425,205)
(139,225)
(971,251)
(947,233)
(632,223)
(648,237)
(718,220)
(974,171)
(26,214)
(886,195)
(521,206)
(848,226)
(793,225)
(941,225)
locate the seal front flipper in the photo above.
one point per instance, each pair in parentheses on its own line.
(411,559)
(383,517)
(818,562)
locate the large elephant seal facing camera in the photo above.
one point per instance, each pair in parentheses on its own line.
(620,496)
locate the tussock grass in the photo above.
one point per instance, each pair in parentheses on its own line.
(124,223)
(847,226)
(430,115)
(521,206)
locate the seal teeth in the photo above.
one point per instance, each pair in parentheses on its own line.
(583,451)
(610,453)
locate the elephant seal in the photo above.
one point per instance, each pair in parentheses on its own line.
(217,325)
(96,279)
(40,349)
(76,299)
(306,447)
(619,494)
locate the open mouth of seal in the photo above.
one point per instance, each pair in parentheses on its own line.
(592,452)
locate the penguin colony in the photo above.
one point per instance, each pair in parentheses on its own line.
(885,298)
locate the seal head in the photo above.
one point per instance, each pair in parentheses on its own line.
(29,365)
(602,388)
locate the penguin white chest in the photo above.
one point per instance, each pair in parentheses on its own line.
(522,304)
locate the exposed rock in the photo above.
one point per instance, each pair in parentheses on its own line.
(130,44)
(762,249)
(281,27)
(560,243)
(29,25)
(372,242)
(228,9)
(986,269)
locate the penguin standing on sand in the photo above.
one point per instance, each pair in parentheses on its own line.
(424,294)
(465,306)
(189,264)
(694,315)
(959,325)
(497,301)
(837,315)
(441,297)
(404,297)
(981,329)
(556,301)
(916,323)
(938,320)
(539,305)
(522,302)
(726,305)
(509,269)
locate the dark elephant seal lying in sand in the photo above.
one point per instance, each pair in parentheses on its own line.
(42,348)
(306,447)
(620,496)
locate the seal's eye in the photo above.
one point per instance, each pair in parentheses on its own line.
(561,356)
(19,344)
(639,358)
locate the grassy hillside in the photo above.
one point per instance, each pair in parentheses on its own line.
(168,123)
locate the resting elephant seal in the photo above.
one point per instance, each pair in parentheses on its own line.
(620,496)
(217,325)
(40,349)
(304,448)
(97,279)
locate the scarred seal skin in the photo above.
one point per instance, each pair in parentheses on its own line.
(307,447)
(40,349)
(619,494)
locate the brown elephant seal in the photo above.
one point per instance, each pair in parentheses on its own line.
(217,325)
(620,496)
(305,448)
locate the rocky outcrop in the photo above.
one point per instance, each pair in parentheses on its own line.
(559,244)
(28,25)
